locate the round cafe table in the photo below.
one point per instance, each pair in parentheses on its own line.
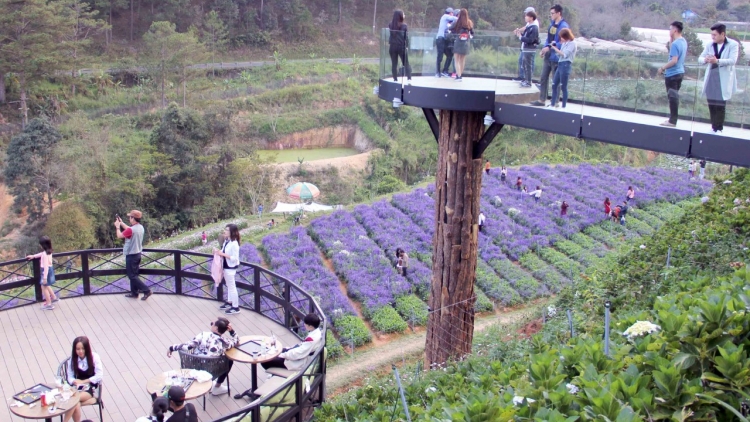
(238,355)
(197,389)
(39,412)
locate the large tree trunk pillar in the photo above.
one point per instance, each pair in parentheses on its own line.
(450,328)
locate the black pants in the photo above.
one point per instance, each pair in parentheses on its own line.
(718,110)
(223,377)
(673,85)
(132,266)
(527,64)
(549,68)
(441,44)
(395,54)
(276,362)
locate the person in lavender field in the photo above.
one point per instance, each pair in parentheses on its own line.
(630,195)
(519,183)
(487,167)
(623,212)
(404,262)
(524,190)
(481,220)
(607,206)
(503,174)
(564,209)
(703,169)
(537,193)
(691,170)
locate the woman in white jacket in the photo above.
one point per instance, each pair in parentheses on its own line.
(720,81)
(231,254)
(298,356)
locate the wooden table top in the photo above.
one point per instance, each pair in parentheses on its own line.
(197,389)
(239,356)
(36,411)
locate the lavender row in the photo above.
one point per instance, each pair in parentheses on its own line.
(294,255)
(359,261)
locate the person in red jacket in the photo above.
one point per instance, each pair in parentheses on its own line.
(607,206)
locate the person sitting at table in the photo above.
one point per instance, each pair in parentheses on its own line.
(181,412)
(158,410)
(84,368)
(298,356)
(212,343)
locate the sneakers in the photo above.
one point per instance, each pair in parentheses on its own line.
(446,74)
(225,306)
(147,295)
(437,75)
(667,123)
(558,105)
(218,391)
(524,84)
(232,311)
(453,75)
(55,300)
(459,78)
(131,296)
(48,307)
(408,81)
(537,103)
(517,80)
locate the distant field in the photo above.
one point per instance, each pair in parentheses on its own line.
(293,155)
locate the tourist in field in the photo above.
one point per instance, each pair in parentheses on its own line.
(674,71)
(181,411)
(691,169)
(404,262)
(720,81)
(703,169)
(521,74)
(503,174)
(550,58)
(564,209)
(536,193)
(212,343)
(204,238)
(630,196)
(48,273)
(84,369)
(481,221)
(463,31)
(524,190)
(442,40)
(623,212)
(132,249)
(616,213)
(158,410)
(487,167)
(298,356)
(398,42)
(566,54)
(607,206)
(519,183)
(529,41)
(230,251)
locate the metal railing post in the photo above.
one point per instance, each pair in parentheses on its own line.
(607,304)
(36,269)
(287,306)
(570,324)
(85,276)
(401,392)
(178,272)
(256,293)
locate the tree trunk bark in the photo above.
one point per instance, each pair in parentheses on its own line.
(2,87)
(24,109)
(450,328)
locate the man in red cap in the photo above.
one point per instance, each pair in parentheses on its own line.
(132,249)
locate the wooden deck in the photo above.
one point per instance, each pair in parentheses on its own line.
(131,336)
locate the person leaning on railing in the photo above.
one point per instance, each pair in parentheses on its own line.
(720,81)
(298,356)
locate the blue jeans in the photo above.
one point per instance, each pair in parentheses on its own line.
(521,72)
(560,81)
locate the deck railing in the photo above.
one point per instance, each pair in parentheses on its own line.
(102,271)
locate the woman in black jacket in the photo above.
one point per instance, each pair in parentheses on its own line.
(398,41)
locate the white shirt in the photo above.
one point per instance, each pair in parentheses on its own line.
(233,250)
(537,193)
(83,365)
(481,218)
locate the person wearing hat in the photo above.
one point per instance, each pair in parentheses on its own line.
(132,249)
(441,41)
(181,412)
(521,74)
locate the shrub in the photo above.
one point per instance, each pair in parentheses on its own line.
(387,320)
(352,331)
(412,309)
(483,303)
(496,287)
(521,281)
(560,261)
(602,235)
(335,349)
(543,271)
(70,228)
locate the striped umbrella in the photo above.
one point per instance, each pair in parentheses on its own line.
(303,190)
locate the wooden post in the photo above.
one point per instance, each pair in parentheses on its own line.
(450,327)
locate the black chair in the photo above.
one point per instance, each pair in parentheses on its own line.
(214,365)
(62,372)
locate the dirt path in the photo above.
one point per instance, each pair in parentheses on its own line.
(350,370)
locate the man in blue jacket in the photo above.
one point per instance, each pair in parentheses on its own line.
(550,58)
(441,41)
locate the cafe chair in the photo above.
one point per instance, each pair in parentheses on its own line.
(214,365)
(62,372)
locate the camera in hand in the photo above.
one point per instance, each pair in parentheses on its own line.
(553,43)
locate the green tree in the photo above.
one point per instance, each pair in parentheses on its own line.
(215,34)
(85,25)
(722,5)
(695,45)
(741,53)
(70,228)
(30,36)
(31,168)
(170,53)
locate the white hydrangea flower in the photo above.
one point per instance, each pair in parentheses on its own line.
(363,237)
(513,211)
(704,199)
(337,243)
(572,389)
(551,311)
(641,328)
(727,182)
(497,201)
(430,390)
(345,252)
(642,246)
(737,201)
(518,400)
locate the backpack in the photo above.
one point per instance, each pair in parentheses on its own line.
(463,35)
